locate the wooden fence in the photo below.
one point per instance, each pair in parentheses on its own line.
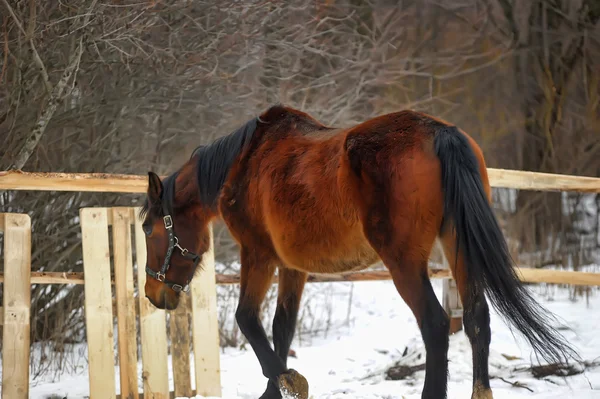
(127,236)
(99,320)
(99,277)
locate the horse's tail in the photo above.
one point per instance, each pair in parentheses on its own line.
(487,261)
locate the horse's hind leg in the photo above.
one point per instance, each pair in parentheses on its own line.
(476,317)
(409,273)
(401,213)
(404,247)
(290,288)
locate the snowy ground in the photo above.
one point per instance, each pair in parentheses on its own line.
(349,361)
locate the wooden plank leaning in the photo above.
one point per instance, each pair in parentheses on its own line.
(205,326)
(17,305)
(153,330)
(98,302)
(124,289)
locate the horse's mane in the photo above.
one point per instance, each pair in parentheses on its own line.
(212,167)
(215,160)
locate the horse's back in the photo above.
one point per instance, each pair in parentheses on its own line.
(393,133)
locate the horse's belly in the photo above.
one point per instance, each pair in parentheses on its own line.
(351,262)
(337,255)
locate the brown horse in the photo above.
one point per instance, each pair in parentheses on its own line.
(304,198)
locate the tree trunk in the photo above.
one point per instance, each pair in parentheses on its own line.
(544,70)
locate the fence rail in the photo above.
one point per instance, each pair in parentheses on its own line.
(527,274)
(120,183)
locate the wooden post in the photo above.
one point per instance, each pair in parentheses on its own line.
(180,348)
(452,305)
(451,298)
(153,331)
(98,302)
(126,328)
(17,304)
(206,326)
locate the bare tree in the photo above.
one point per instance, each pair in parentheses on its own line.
(555,59)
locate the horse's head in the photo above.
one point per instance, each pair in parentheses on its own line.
(177,235)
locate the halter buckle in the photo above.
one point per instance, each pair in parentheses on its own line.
(180,288)
(168,221)
(160,277)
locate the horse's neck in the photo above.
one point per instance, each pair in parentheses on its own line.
(186,186)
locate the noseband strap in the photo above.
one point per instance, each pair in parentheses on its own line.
(173,243)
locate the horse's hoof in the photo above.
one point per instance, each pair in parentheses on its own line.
(293,385)
(272,392)
(480,392)
(270,396)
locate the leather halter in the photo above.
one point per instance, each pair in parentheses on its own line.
(173,243)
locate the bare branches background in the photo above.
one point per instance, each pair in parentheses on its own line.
(127,87)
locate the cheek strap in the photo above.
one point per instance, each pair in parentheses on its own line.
(173,243)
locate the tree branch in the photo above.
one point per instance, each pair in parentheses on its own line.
(53,101)
(507,9)
(36,57)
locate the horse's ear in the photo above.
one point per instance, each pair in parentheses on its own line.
(155,187)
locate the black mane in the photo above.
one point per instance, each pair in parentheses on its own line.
(215,160)
(212,168)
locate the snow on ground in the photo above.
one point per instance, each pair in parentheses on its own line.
(349,361)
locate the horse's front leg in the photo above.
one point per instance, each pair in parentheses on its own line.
(256,279)
(291,287)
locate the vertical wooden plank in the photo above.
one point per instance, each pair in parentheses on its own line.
(452,305)
(126,328)
(180,348)
(153,330)
(451,298)
(98,302)
(17,303)
(205,331)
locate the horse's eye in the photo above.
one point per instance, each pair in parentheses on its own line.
(147,229)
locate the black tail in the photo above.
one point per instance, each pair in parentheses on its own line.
(480,239)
